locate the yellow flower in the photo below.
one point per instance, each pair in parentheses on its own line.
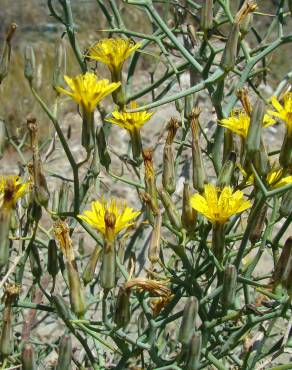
(239,122)
(99,215)
(113,52)
(130,121)
(87,90)
(218,206)
(284,112)
(274,178)
(11,189)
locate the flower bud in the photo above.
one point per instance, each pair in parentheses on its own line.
(136,145)
(28,357)
(227,171)
(245,25)
(64,199)
(286,204)
(5,216)
(168,174)
(87,136)
(199,176)
(284,265)
(65,353)
(207,15)
(259,225)
(76,292)
(154,248)
(189,105)
(53,261)
(189,215)
(170,209)
(6,339)
(29,64)
(55,204)
(104,157)
(193,362)
(229,287)
(253,139)
(6,52)
(2,137)
(218,241)
(61,307)
(108,266)
(188,322)
(122,310)
(88,273)
(261,160)
(285,157)
(150,180)
(59,65)
(35,262)
(179,105)
(230,52)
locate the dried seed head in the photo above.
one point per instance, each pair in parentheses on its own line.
(157,288)
(61,230)
(242,95)
(172,129)
(148,162)
(249,6)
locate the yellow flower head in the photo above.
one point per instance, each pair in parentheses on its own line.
(113,52)
(117,213)
(274,179)
(239,122)
(283,112)
(130,121)
(87,90)
(218,206)
(11,189)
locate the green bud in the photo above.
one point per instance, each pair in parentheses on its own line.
(61,307)
(76,292)
(207,15)
(6,339)
(5,216)
(193,362)
(53,261)
(59,65)
(259,225)
(188,322)
(229,287)
(55,204)
(170,209)
(6,52)
(286,204)
(35,262)
(284,264)
(122,310)
(227,171)
(285,157)
(108,266)
(253,139)
(87,137)
(290,6)
(261,160)
(88,273)
(168,174)
(3,137)
(64,199)
(199,176)
(154,248)
(230,52)
(179,106)
(104,157)
(29,64)
(218,241)
(28,357)
(136,145)
(65,353)
(189,105)
(189,215)
(246,24)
